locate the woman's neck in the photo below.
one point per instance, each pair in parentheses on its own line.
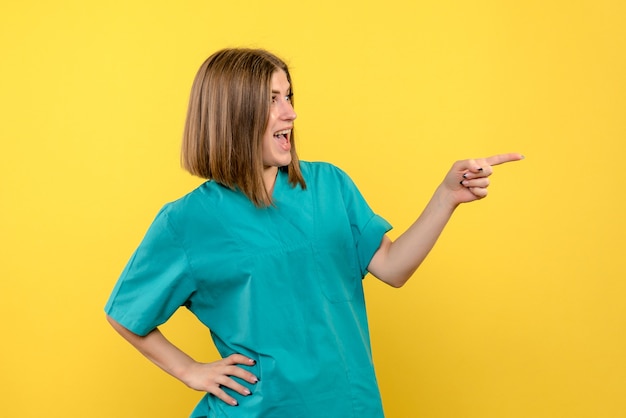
(269,178)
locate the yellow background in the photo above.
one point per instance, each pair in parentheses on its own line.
(519,311)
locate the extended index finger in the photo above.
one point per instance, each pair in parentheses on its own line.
(504,158)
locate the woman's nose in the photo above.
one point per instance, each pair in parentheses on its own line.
(288,113)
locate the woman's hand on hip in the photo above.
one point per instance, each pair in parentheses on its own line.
(212,377)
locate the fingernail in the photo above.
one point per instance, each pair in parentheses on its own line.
(234,403)
(465,175)
(480,169)
(247,392)
(463,182)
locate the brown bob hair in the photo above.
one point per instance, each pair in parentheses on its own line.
(227,116)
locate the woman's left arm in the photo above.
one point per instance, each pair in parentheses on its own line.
(395,261)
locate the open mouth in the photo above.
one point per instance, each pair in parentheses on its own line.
(283,137)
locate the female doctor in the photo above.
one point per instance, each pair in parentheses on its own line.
(269,253)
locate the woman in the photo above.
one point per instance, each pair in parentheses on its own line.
(269,254)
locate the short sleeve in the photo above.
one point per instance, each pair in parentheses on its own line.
(155,282)
(367,227)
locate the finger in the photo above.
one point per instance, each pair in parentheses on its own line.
(482,182)
(241,373)
(227,382)
(239,359)
(223,396)
(479,192)
(477,172)
(471,166)
(503,158)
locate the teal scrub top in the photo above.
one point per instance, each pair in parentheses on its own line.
(281,285)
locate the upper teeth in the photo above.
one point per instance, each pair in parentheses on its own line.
(285,132)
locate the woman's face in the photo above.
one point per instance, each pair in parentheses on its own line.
(277,136)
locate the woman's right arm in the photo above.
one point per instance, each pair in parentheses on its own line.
(207,377)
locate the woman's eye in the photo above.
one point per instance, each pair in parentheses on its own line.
(287,98)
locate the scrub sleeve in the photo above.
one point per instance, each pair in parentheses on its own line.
(155,282)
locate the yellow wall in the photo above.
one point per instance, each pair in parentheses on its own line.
(519,311)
